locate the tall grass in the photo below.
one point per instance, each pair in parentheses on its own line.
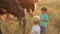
(53,25)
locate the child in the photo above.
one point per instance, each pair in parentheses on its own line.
(36,27)
(44,19)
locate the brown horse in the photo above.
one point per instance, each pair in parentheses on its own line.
(28,4)
(16,8)
(13,7)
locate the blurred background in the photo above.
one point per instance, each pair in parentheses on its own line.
(53,26)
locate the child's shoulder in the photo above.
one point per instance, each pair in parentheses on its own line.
(46,14)
(35,26)
(40,14)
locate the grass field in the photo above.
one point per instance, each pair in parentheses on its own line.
(53,23)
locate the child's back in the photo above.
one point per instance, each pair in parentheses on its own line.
(36,27)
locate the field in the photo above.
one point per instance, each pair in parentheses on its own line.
(53,23)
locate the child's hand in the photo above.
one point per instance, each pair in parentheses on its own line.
(43,20)
(31,33)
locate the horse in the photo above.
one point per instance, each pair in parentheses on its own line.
(16,8)
(28,4)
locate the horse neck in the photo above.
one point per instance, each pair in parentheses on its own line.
(26,1)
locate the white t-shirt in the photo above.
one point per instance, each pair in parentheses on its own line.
(36,29)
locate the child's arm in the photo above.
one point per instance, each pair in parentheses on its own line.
(31,32)
(43,20)
(46,19)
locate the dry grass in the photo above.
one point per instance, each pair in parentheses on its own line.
(53,24)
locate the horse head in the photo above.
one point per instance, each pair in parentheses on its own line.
(28,4)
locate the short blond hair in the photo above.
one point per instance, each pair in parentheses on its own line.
(36,19)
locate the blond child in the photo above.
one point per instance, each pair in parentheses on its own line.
(36,27)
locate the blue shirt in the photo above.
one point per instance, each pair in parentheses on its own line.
(45,17)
